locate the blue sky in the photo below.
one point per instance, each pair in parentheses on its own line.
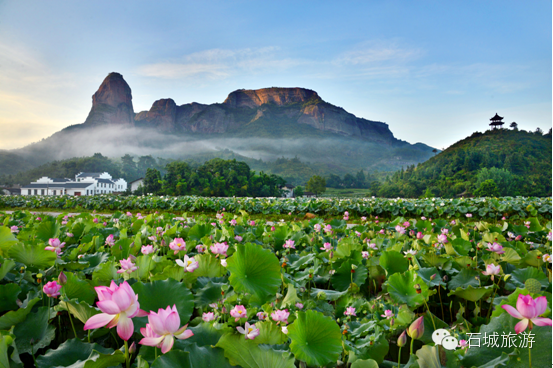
(435,71)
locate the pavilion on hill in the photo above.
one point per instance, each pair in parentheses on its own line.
(496,121)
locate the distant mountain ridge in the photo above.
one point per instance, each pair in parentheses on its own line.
(262,124)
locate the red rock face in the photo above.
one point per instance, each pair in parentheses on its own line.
(278,96)
(112,103)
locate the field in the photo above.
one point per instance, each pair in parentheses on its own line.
(367,288)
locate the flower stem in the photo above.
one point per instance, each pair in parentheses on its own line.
(72,325)
(127,361)
(431,317)
(529,357)
(491,303)
(441,304)
(399,357)
(412,341)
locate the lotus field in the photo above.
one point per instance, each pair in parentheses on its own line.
(457,289)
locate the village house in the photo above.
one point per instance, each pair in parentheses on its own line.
(85,184)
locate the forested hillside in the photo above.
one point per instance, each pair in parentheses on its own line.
(499,162)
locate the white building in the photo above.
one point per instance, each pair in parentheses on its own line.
(136,184)
(84,184)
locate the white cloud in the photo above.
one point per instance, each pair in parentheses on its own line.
(219,63)
(376,53)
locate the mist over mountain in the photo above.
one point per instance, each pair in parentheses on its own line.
(263,124)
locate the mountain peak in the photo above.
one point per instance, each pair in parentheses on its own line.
(112,103)
(253,98)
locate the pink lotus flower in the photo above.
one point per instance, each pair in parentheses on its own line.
(105,223)
(233,222)
(547,258)
(328,228)
(163,328)
(189,264)
(550,236)
(261,315)
(272,228)
(382,231)
(442,238)
(252,223)
(110,240)
(55,245)
(14,229)
(52,289)
(327,247)
(492,270)
(406,224)
(219,248)
(127,266)
(495,247)
(363,218)
(238,238)
(445,231)
(223,262)
(280,316)
(289,244)
(463,344)
(38,219)
(177,245)
(238,312)
(365,254)
(528,309)
(469,215)
(423,218)
(420,235)
(95,220)
(209,316)
(147,249)
(200,248)
(410,253)
(373,246)
(317,227)
(250,332)
(69,235)
(129,214)
(453,222)
(350,311)
(387,313)
(299,305)
(416,329)
(119,305)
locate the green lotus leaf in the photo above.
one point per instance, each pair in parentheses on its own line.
(81,310)
(33,256)
(426,275)
(7,266)
(510,256)
(12,318)
(210,293)
(466,277)
(519,277)
(162,294)
(69,353)
(8,296)
(247,353)
(331,295)
(47,230)
(369,363)
(101,360)
(35,329)
(472,294)
(105,273)
(342,279)
(7,240)
(503,325)
(429,357)
(174,358)
(393,262)
(197,232)
(316,339)
(270,333)
(401,287)
(254,270)
(369,348)
(79,289)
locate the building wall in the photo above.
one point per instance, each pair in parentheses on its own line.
(136,184)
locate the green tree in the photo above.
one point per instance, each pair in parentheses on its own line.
(152,181)
(316,185)
(298,191)
(488,188)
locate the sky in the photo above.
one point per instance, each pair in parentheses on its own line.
(434,71)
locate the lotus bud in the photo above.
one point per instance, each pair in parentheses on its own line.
(416,330)
(331,255)
(433,277)
(353,267)
(518,238)
(321,295)
(132,348)
(392,321)
(62,279)
(445,278)
(402,340)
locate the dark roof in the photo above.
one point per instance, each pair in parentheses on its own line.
(86,174)
(105,181)
(134,181)
(54,185)
(496,117)
(60,180)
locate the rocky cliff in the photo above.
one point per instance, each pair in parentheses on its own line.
(112,103)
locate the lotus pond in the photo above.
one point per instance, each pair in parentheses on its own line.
(165,290)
